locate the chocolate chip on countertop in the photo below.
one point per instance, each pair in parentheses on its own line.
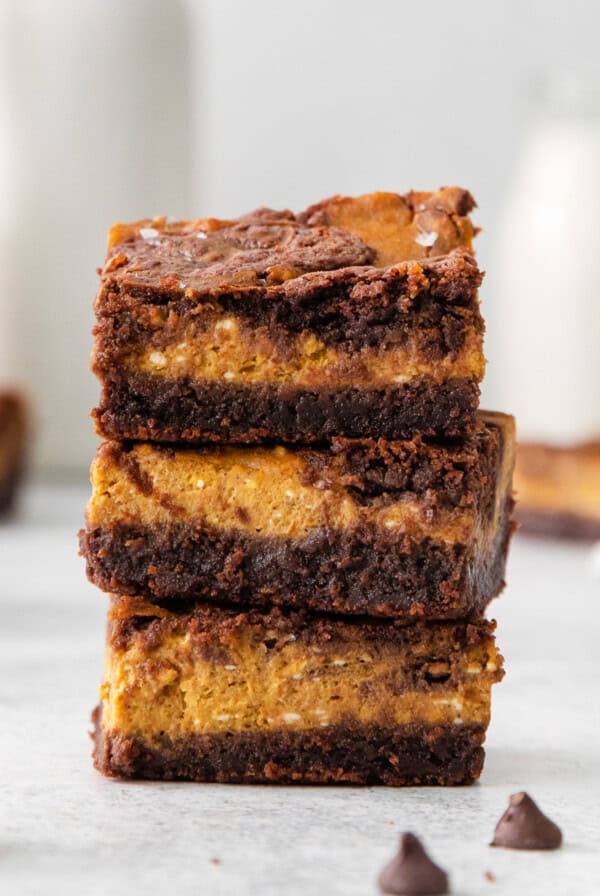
(524,826)
(412,873)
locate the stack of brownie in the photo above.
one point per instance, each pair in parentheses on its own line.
(299,513)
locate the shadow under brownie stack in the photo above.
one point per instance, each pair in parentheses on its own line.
(300,515)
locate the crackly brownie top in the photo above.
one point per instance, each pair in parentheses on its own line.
(267,248)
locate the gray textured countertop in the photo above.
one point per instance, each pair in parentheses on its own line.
(66,830)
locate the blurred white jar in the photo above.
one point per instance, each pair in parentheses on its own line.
(547,274)
(94,121)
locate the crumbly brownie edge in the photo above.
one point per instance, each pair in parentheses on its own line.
(356,572)
(568,526)
(145,407)
(341,754)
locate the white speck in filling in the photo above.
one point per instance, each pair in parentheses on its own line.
(231,668)
(289,494)
(148,233)
(401,378)
(292,638)
(457,721)
(452,701)
(201,235)
(225,324)
(158,359)
(200,483)
(473,669)
(297,676)
(339,663)
(224,717)
(228,375)
(291,717)
(391,524)
(426,239)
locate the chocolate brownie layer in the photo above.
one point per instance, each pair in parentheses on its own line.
(414,755)
(244,330)
(401,529)
(147,407)
(216,694)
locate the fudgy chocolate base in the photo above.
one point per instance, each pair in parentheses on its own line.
(340,754)
(146,407)
(568,526)
(356,572)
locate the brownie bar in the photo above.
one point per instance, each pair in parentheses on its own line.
(399,529)
(13,425)
(559,490)
(216,695)
(358,313)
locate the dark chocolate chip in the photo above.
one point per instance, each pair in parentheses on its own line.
(524,826)
(412,873)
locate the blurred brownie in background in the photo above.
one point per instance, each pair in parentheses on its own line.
(13,429)
(558,490)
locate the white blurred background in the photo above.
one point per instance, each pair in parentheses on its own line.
(119,109)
